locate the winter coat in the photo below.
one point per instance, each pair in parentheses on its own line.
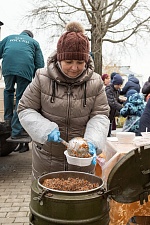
(113,101)
(132,83)
(133,110)
(146,88)
(145,119)
(78,107)
(21,56)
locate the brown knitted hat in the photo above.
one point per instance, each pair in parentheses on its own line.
(73,44)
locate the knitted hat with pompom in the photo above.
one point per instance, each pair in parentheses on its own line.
(73,44)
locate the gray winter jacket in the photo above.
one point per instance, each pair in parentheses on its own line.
(78,107)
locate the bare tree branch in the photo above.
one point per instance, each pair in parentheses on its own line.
(114,21)
(134,31)
(86,12)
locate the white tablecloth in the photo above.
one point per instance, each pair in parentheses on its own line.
(114,151)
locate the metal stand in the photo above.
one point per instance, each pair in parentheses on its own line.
(20,140)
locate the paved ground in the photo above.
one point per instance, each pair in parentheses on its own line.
(15,182)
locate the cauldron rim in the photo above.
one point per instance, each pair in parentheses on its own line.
(76,174)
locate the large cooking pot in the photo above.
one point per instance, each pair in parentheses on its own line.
(51,207)
(129,181)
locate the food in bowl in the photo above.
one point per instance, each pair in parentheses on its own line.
(78,161)
(69,184)
(78,147)
(145,135)
(78,154)
(125,137)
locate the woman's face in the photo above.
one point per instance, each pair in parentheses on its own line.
(107,81)
(72,68)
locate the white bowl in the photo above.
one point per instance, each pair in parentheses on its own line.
(122,98)
(145,135)
(78,161)
(125,137)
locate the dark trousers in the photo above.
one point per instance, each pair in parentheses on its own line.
(110,129)
(10,113)
(114,124)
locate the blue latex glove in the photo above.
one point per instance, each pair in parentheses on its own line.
(92,151)
(54,136)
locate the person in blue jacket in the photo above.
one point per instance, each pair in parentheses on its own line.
(132,111)
(21,56)
(132,84)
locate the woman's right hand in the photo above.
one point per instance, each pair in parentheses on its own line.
(54,136)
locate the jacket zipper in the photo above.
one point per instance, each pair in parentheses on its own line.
(68,116)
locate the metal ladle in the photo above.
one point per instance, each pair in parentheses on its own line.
(76,146)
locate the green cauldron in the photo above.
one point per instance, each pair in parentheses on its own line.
(51,207)
(128,181)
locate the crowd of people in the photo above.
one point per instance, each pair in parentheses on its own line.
(135,108)
(128,100)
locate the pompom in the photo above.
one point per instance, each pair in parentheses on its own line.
(75,27)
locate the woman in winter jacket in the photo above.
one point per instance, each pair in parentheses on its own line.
(66,99)
(133,110)
(132,84)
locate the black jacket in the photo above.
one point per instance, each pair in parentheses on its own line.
(145,119)
(146,87)
(113,101)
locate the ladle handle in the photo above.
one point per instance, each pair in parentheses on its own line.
(64,142)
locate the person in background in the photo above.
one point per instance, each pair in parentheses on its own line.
(65,99)
(112,75)
(92,55)
(113,125)
(130,93)
(21,57)
(106,79)
(132,111)
(144,123)
(146,89)
(113,92)
(132,83)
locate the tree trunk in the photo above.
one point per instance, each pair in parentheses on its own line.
(97,53)
(98,63)
(96,36)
